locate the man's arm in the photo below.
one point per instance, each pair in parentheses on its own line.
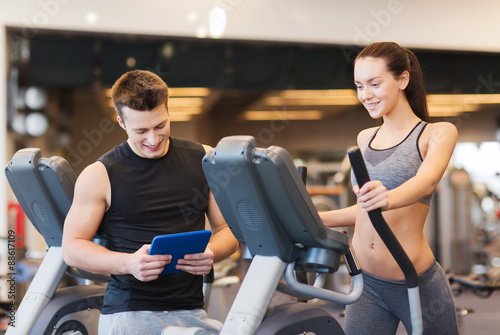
(221,245)
(90,202)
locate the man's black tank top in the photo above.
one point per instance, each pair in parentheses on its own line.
(151,197)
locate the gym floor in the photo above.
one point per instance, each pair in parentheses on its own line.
(483,320)
(485,316)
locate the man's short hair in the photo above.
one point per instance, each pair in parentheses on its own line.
(139,90)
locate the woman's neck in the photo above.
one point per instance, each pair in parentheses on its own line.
(401,117)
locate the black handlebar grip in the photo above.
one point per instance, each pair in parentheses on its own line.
(302,170)
(352,263)
(378,221)
(358,166)
(209,277)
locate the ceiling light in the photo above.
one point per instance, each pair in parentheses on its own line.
(91,18)
(131,62)
(180,92)
(282,115)
(36,123)
(185,102)
(296,94)
(464,98)
(443,113)
(192,17)
(201,32)
(449,110)
(324,101)
(313,98)
(18,123)
(180,117)
(35,97)
(188,91)
(185,110)
(217,22)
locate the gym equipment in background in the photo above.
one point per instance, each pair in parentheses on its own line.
(44,189)
(268,208)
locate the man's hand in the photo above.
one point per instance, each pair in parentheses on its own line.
(197,264)
(146,267)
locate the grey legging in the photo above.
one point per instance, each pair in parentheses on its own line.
(384,304)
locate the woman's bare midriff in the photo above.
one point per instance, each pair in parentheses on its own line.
(407,224)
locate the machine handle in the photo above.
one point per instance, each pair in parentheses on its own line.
(302,170)
(308,292)
(392,243)
(351,262)
(378,221)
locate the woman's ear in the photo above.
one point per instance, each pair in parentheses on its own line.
(404,80)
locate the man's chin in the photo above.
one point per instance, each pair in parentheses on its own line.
(157,153)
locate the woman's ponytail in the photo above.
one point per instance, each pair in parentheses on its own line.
(415,91)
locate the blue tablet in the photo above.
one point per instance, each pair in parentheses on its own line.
(179,245)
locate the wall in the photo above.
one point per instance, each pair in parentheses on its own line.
(3,141)
(94,130)
(445,24)
(337,134)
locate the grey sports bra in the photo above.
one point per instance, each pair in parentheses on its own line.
(395,165)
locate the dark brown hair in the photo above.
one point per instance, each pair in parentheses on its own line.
(398,60)
(139,90)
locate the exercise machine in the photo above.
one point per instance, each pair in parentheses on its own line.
(482,285)
(267,207)
(249,184)
(44,189)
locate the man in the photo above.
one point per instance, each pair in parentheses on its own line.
(151,184)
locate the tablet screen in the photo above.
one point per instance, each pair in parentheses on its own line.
(179,245)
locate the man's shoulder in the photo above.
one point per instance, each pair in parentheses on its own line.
(114,155)
(183,143)
(95,173)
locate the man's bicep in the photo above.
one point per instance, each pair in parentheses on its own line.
(217,221)
(89,204)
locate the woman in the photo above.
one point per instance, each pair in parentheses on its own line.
(406,157)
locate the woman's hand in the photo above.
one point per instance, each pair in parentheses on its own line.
(372,195)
